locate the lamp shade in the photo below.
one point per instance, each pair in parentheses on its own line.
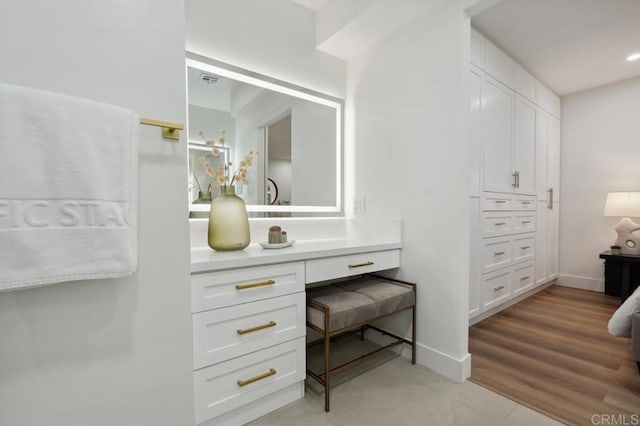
(622,204)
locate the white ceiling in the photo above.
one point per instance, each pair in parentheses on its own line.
(314,5)
(570,45)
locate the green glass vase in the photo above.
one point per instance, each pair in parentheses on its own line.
(204,197)
(228,221)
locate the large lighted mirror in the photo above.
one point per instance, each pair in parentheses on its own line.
(288,139)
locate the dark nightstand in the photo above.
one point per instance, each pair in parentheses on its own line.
(621,274)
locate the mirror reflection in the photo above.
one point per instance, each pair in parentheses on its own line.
(292,138)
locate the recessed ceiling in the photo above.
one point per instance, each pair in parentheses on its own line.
(314,5)
(570,45)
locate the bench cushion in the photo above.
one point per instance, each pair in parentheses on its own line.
(356,302)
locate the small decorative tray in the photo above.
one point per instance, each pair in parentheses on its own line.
(266,245)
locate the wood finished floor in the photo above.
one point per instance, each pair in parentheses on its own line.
(552,352)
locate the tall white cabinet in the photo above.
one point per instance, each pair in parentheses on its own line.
(515,170)
(548,192)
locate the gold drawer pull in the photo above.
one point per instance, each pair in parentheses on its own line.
(271,372)
(260,284)
(360,265)
(256,328)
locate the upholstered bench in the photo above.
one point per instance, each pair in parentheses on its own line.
(352,306)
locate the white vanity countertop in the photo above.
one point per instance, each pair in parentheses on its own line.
(204,259)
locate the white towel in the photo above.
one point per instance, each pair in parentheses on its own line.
(68,189)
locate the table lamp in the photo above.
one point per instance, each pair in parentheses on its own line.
(625,205)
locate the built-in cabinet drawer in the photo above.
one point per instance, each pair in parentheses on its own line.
(239,381)
(500,285)
(524,222)
(355,264)
(504,202)
(523,247)
(496,253)
(522,278)
(226,288)
(237,330)
(496,202)
(495,288)
(522,202)
(500,252)
(495,224)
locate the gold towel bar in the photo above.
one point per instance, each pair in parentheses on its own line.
(169,130)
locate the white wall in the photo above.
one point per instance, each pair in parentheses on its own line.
(407,99)
(600,154)
(313,155)
(106,352)
(280,172)
(275,38)
(212,122)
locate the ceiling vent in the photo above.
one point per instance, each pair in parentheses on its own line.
(209,78)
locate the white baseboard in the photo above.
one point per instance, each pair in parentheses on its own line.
(455,369)
(458,370)
(584,283)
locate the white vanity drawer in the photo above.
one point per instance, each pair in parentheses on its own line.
(354,264)
(522,278)
(218,289)
(522,202)
(495,223)
(496,202)
(496,253)
(523,247)
(524,222)
(225,333)
(495,288)
(225,386)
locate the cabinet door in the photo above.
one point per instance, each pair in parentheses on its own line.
(553,219)
(477,49)
(475,128)
(525,83)
(542,135)
(524,145)
(548,100)
(553,157)
(542,247)
(495,288)
(499,65)
(497,124)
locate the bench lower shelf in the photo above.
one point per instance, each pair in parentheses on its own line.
(355,305)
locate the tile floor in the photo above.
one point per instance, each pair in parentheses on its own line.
(391,391)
